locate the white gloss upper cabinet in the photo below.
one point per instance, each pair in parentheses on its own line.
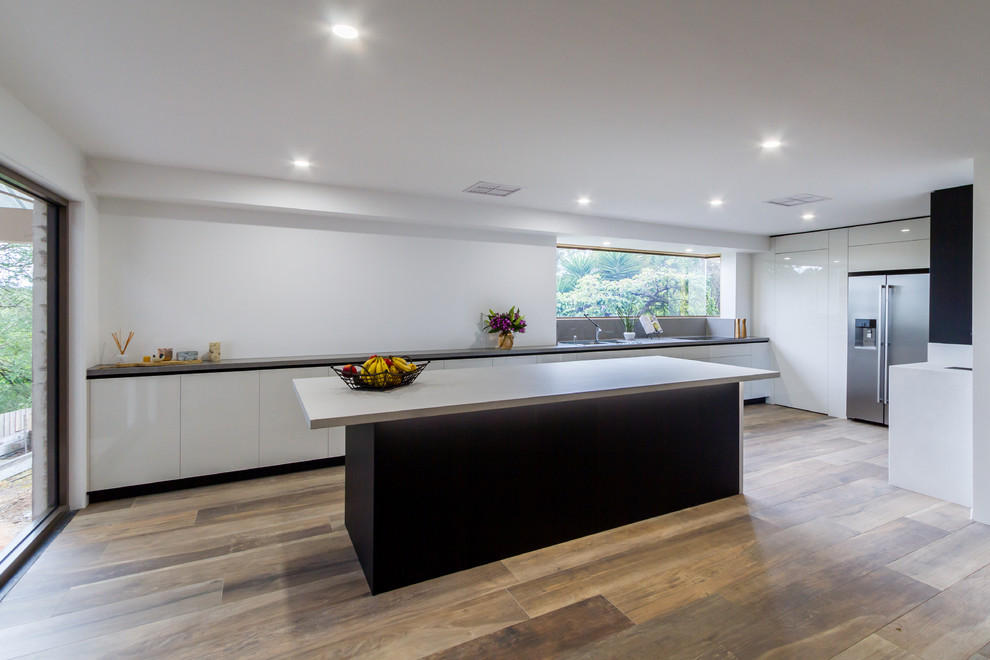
(220,428)
(285,437)
(134,439)
(800,339)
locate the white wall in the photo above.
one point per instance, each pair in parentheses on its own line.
(32,148)
(736,282)
(981,338)
(287,288)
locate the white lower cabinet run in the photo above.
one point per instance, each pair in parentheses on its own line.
(219,422)
(133,431)
(159,428)
(285,437)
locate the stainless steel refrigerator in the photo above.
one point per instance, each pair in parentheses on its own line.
(888,325)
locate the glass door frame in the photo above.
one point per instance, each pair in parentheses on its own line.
(45,524)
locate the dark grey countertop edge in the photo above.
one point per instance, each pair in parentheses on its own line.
(255,364)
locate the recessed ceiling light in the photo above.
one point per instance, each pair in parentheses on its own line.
(771,144)
(606,242)
(302,163)
(345,31)
(787,258)
(689,249)
(808,216)
(905,230)
(584,201)
(836,261)
(716,202)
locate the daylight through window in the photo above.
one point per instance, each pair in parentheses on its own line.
(621,283)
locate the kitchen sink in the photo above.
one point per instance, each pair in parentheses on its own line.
(589,342)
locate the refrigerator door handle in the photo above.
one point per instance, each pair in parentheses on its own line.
(886,346)
(880,338)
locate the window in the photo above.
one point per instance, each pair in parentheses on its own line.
(626,283)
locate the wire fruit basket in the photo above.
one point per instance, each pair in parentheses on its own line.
(381,381)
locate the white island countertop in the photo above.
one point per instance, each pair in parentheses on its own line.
(330,402)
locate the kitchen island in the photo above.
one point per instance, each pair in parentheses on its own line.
(469,466)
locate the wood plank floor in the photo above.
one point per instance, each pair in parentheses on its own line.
(819,558)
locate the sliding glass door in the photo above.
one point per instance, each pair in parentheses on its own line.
(29,315)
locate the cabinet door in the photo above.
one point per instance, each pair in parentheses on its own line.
(219,428)
(716,351)
(800,339)
(514,359)
(133,431)
(285,436)
(761,359)
(466,363)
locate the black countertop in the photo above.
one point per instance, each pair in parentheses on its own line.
(252,364)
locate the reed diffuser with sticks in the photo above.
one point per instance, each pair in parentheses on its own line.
(119,359)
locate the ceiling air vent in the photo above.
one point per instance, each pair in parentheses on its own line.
(797,200)
(496,189)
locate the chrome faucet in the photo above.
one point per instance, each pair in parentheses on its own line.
(598,328)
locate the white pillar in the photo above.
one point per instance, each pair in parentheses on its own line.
(981,338)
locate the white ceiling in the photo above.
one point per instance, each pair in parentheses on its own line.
(649,107)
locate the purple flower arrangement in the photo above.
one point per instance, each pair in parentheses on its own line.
(505,322)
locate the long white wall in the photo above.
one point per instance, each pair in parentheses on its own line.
(268,284)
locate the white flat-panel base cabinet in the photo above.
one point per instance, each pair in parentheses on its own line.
(285,436)
(219,422)
(149,429)
(134,437)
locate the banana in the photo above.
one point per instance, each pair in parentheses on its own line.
(403,365)
(370,370)
(381,372)
(392,376)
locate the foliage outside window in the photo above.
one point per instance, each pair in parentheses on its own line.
(15,326)
(613,283)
